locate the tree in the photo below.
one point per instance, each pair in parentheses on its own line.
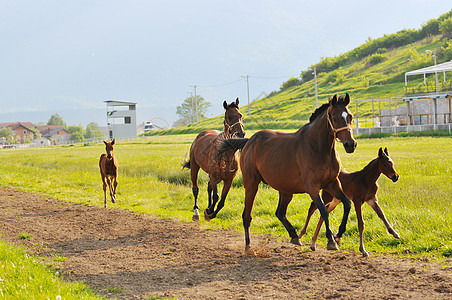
(56,119)
(77,131)
(6,133)
(92,131)
(187,110)
(446,27)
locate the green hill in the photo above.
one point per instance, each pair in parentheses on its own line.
(373,70)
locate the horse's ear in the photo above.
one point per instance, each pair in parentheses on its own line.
(225,105)
(113,142)
(380,152)
(105,142)
(333,100)
(237,101)
(386,151)
(346,99)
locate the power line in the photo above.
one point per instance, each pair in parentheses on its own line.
(221,84)
(274,77)
(257,77)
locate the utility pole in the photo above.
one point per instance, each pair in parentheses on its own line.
(433,53)
(196,103)
(248,90)
(315,83)
(314,71)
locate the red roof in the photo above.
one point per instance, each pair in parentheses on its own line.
(14,125)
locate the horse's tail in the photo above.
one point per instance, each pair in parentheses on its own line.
(231,144)
(186,164)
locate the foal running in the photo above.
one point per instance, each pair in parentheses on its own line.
(109,171)
(360,187)
(203,154)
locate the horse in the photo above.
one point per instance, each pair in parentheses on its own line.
(305,161)
(109,171)
(360,187)
(203,154)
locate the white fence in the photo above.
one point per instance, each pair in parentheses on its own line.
(170,139)
(398,129)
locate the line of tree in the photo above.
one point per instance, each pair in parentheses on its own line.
(79,133)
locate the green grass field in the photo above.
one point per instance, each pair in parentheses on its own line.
(26,277)
(152,181)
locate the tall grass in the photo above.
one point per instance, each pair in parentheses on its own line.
(152,181)
(26,277)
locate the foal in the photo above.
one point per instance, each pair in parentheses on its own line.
(109,171)
(360,187)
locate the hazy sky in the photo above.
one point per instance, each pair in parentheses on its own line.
(70,56)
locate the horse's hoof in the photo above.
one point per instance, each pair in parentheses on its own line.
(207,217)
(332,246)
(313,247)
(113,199)
(195,215)
(249,251)
(295,241)
(396,235)
(365,253)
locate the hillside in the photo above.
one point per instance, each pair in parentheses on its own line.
(373,70)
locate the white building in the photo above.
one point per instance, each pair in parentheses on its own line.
(121,119)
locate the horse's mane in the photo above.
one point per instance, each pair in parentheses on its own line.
(318,112)
(369,165)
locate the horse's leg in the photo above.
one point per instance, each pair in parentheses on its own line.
(327,198)
(209,195)
(359,216)
(284,200)
(110,188)
(208,212)
(115,184)
(194,169)
(330,206)
(324,213)
(311,211)
(336,191)
(224,192)
(374,204)
(104,186)
(250,194)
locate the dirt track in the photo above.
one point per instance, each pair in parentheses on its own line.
(139,256)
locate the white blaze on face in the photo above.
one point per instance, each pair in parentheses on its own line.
(345,115)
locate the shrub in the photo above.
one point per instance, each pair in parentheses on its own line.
(337,76)
(290,82)
(445,27)
(375,59)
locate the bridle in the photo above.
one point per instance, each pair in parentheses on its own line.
(336,130)
(229,127)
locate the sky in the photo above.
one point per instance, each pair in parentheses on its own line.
(68,57)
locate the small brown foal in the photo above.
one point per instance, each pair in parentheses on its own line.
(109,170)
(360,187)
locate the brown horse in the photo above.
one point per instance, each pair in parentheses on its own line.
(360,187)
(203,154)
(109,171)
(305,161)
